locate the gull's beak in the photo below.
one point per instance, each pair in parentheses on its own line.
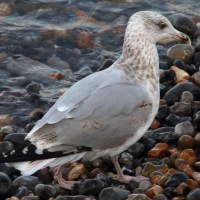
(181,38)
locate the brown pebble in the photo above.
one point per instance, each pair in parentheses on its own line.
(155,124)
(155,179)
(166,176)
(76,170)
(180,74)
(174,156)
(197,137)
(196,104)
(171,150)
(192,184)
(186,141)
(162,102)
(154,191)
(83,40)
(196,177)
(187,97)
(5,119)
(35,110)
(96,171)
(5,8)
(150,167)
(196,78)
(189,156)
(46,176)
(184,166)
(181,109)
(180,189)
(157,150)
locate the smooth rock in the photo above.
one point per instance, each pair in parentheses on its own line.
(157,150)
(176,179)
(162,113)
(166,137)
(196,78)
(189,156)
(155,124)
(138,197)
(192,184)
(97,163)
(76,170)
(23,191)
(5,184)
(194,195)
(113,193)
(184,24)
(167,77)
(163,65)
(196,120)
(91,187)
(137,149)
(186,141)
(181,109)
(155,179)
(31,198)
(191,69)
(174,94)
(161,130)
(33,87)
(28,181)
(180,51)
(126,159)
(154,191)
(197,59)
(184,166)
(169,192)
(5,9)
(16,138)
(163,90)
(173,120)
(187,97)
(179,64)
(184,128)
(6,146)
(145,185)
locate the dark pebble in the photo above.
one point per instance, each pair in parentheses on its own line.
(197,59)
(29,127)
(176,179)
(113,193)
(91,187)
(163,65)
(155,173)
(181,109)
(173,120)
(174,94)
(127,171)
(33,88)
(126,159)
(22,121)
(160,197)
(5,184)
(196,120)
(137,149)
(138,191)
(37,115)
(179,64)
(28,181)
(184,24)
(197,166)
(23,191)
(167,77)
(191,69)
(166,137)
(169,192)
(6,146)
(161,130)
(16,138)
(163,112)
(8,170)
(194,195)
(133,184)
(187,97)
(79,197)
(163,90)
(151,144)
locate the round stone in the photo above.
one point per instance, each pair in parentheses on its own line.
(179,64)
(91,187)
(145,185)
(113,193)
(5,184)
(16,138)
(169,192)
(136,149)
(33,88)
(162,113)
(197,59)
(166,137)
(187,97)
(184,24)
(167,77)
(173,120)
(6,146)
(176,179)
(194,195)
(184,52)
(184,128)
(181,109)
(186,141)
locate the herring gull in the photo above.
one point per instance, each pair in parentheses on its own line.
(104,113)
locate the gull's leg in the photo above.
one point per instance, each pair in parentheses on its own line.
(63,183)
(122,178)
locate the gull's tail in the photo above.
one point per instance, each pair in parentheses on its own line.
(27,161)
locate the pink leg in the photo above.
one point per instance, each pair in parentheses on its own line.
(122,178)
(63,183)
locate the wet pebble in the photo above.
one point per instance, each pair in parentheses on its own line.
(126,159)
(16,138)
(184,128)
(194,195)
(158,150)
(174,94)
(161,130)
(6,146)
(197,59)
(173,119)
(184,166)
(28,181)
(176,179)
(186,141)
(166,137)
(184,24)
(180,51)
(33,88)
(162,113)
(179,64)
(113,193)
(5,184)
(137,149)
(181,109)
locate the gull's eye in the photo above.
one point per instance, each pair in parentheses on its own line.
(162,25)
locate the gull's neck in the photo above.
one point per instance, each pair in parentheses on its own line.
(139,61)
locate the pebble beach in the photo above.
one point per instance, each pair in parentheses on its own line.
(47,46)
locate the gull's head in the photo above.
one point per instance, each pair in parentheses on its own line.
(154,27)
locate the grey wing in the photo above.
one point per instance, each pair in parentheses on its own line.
(109,98)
